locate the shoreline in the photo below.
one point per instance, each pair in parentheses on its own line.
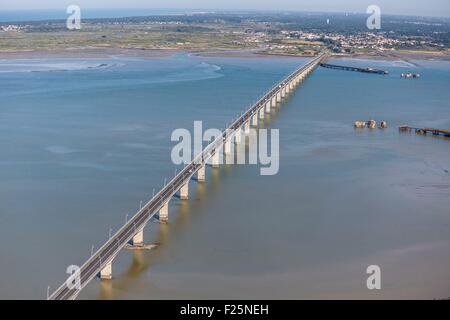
(107,52)
(396,55)
(85,52)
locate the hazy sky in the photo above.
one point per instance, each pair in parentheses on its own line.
(405,7)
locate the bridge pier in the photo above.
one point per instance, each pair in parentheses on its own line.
(215,159)
(283,92)
(184,191)
(201,173)
(255,119)
(261,112)
(227,146)
(238,136)
(274,101)
(164,213)
(138,238)
(268,106)
(279,96)
(288,88)
(247,127)
(106,272)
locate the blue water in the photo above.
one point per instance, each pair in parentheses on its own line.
(84,140)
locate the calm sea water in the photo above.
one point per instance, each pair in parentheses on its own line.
(83,141)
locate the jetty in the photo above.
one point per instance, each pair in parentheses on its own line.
(349,68)
(433,131)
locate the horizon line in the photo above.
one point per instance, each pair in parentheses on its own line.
(210,11)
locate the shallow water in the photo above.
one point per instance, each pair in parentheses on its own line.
(82,146)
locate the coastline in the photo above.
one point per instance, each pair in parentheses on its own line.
(85,52)
(407,56)
(105,52)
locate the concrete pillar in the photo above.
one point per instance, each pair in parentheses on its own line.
(201,173)
(238,136)
(261,112)
(283,92)
(288,87)
(255,119)
(184,191)
(268,106)
(274,101)
(279,96)
(106,272)
(215,159)
(247,127)
(164,213)
(227,146)
(138,238)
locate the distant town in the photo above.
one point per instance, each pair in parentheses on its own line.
(302,34)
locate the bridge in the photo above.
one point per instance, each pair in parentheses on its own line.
(100,263)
